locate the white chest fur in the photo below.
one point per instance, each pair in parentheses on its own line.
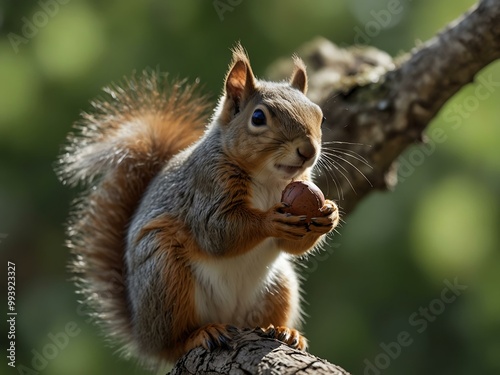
(266,194)
(229,289)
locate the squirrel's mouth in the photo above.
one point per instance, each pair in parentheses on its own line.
(288,169)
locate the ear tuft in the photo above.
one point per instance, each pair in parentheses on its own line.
(299,75)
(240,81)
(239,54)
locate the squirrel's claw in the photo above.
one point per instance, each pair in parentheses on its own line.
(284,225)
(289,336)
(324,224)
(212,336)
(328,208)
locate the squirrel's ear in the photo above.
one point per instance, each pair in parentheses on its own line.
(240,81)
(299,75)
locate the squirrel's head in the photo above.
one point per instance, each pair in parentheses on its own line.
(270,128)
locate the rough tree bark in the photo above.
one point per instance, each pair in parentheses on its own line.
(254,354)
(376,107)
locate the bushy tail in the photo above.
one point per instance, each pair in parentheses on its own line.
(115,152)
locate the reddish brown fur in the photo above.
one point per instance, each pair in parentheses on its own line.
(175,253)
(166,117)
(277,304)
(278,309)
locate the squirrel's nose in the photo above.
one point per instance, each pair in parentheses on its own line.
(306,151)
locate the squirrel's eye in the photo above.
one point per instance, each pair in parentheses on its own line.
(258,117)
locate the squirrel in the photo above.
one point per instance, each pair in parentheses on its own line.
(180,239)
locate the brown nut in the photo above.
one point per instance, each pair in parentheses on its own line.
(303,198)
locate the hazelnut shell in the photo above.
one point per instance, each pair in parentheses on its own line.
(303,198)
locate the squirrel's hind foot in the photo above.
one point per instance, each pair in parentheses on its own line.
(289,336)
(212,336)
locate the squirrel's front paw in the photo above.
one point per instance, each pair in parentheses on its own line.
(286,226)
(326,223)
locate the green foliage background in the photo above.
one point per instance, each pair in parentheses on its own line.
(390,258)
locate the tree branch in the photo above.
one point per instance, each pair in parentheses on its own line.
(375,108)
(384,106)
(254,354)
